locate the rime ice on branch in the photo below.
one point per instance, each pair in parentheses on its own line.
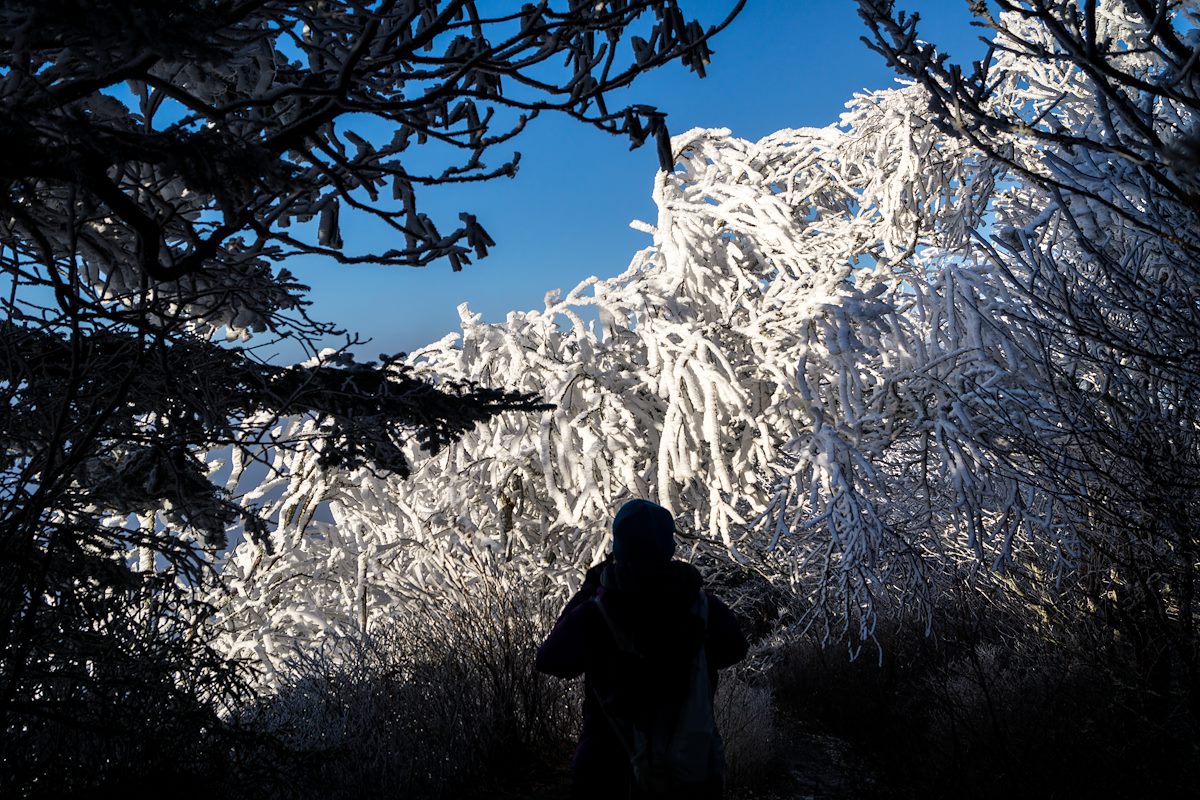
(949,341)
(751,370)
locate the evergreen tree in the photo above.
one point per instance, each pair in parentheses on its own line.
(161,161)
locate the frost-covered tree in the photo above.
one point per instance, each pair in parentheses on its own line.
(876,360)
(1093,110)
(161,162)
(782,368)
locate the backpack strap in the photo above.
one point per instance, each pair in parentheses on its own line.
(700,607)
(624,643)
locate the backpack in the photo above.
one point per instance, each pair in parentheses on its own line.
(670,747)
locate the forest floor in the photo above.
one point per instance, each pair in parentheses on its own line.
(808,765)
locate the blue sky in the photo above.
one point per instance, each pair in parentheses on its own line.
(565,216)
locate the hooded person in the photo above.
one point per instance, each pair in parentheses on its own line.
(638,600)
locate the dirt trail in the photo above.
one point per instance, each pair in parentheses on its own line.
(810,765)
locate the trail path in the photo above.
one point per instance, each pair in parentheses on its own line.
(811,766)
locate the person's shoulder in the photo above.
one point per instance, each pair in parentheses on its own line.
(720,614)
(715,603)
(726,640)
(684,577)
(595,574)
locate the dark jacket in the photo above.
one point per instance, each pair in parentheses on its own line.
(657,617)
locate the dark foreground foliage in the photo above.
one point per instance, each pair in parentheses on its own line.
(441,702)
(444,702)
(972,712)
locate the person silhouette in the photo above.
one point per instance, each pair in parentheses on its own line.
(648,639)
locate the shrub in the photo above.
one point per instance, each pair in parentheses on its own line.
(745,713)
(993,707)
(441,702)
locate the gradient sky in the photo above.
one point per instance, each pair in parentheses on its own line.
(565,216)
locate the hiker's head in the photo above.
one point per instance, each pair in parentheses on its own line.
(643,538)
